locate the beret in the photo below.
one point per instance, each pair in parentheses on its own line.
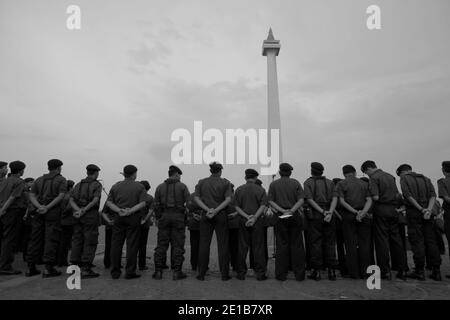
(146,184)
(70,183)
(16,166)
(251,173)
(216,166)
(445,166)
(92,167)
(173,169)
(129,169)
(258,182)
(348,168)
(403,167)
(285,167)
(317,166)
(54,163)
(3,163)
(336,180)
(368,164)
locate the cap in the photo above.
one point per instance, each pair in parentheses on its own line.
(54,163)
(3,164)
(403,167)
(251,173)
(258,182)
(16,166)
(129,169)
(348,168)
(92,167)
(317,166)
(285,167)
(174,169)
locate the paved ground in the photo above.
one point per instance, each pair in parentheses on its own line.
(19,287)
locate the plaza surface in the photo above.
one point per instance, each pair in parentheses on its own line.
(20,287)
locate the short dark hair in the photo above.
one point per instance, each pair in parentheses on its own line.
(368,164)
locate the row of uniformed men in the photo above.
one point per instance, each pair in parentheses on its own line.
(363,207)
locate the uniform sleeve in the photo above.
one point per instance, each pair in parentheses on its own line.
(442,190)
(228,191)
(431,190)
(373,188)
(111,195)
(339,190)
(264,199)
(142,194)
(198,188)
(75,191)
(151,204)
(308,190)
(299,193)
(62,186)
(271,196)
(157,199)
(18,190)
(98,190)
(187,194)
(405,188)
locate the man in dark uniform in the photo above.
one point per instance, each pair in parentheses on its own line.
(170,200)
(194,216)
(108,220)
(355,202)
(3,170)
(67,223)
(145,227)
(386,198)
(46,195)
(126,200)
(266,222)
(213,195)
(340,238)
(286,197)
(85,202)
(444,194)
(12,209)
(233,233)
(321,222)
(420,197)
(26,232)
(250,202)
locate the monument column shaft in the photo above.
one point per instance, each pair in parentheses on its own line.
(274,121)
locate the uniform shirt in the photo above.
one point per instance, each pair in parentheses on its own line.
(417,186)
(354,191)
(444,190)
(85,191)
(127,194)
(286,192)
(250,197)
(171,193)
(383,184)
(213,190)
(13,187)
(67,217)
(48,187)
(320,189)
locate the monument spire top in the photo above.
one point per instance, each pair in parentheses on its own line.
(270,36)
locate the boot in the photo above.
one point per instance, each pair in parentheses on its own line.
(157,275)
(401,275)
(331,274)
(50,272)
(315,275)
(32,271)
(88,273)
(436,274)
(417,274)
(179,275)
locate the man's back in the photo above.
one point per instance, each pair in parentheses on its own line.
(354,191)
(213,190)
(249,197)
(127,194)
(383,185)
(285,192)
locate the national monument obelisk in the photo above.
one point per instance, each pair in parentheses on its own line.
(271,49)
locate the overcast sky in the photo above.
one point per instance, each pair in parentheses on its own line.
(113,92)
